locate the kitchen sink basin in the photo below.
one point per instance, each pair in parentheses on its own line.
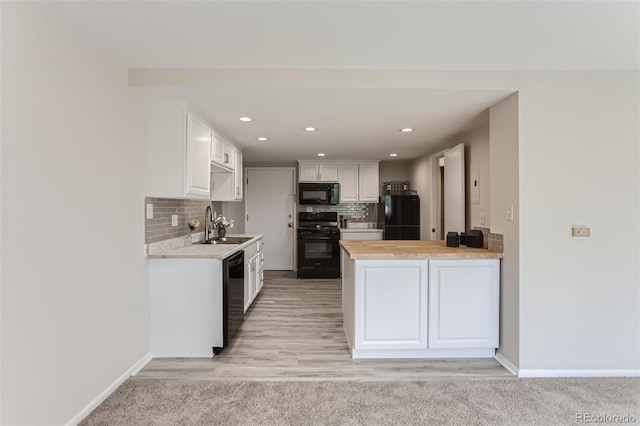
(227,240)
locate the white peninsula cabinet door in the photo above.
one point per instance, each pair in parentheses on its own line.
(391,304)
(464,297)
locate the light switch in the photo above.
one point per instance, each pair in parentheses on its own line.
(580,231)
(510,213)
(174,220)
(481,218)
(149,211)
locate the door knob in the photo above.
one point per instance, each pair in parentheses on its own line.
(290,224)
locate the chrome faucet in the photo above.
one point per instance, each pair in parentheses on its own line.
(208,215)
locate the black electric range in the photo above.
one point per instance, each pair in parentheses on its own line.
(318,245)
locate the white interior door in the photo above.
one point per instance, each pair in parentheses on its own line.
(269,210)
(454,199)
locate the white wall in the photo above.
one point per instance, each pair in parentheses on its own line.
(476,149)
(395,170)
(503,127)
(74,308)
(579,152)
(234,210)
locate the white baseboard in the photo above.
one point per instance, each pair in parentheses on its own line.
(579,373)
(135,368)
(511,368)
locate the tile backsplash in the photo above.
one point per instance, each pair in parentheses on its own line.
(159,228)
(496,242)
(358,212)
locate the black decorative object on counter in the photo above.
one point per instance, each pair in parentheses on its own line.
(453,239)
(475,239)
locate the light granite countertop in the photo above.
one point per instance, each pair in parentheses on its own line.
(203,251)
(411,249)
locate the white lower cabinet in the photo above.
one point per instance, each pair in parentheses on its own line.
(391,304)
(185,301)
(422,308)
(464,297)
(253,275)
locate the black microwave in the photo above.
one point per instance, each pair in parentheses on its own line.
(319,193)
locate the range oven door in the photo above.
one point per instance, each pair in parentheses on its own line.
(318,257)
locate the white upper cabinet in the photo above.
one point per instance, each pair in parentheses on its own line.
(228,155)
(226,185)
(328,172)
(318,172)
(308,172)
(217,149)
(180,152)
(368,183)
(348,183)
(198,146)
(237,172)
(359,183)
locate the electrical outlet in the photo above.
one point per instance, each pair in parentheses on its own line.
(481,218)
(149,211)
(510,213)
(174,220)
(309,209)
(580,231)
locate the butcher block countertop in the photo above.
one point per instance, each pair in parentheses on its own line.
(403,249)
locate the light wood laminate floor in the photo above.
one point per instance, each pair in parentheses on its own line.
(293,331)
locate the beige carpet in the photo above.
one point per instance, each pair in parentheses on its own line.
(482,402)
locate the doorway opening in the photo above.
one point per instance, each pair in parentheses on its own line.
(448,206)
(440,232)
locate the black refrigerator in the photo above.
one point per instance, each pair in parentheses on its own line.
(399,217)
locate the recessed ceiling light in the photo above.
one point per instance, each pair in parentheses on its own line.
(393,155)
(262,139)
(320,154)
(246,119)
(310,129)
(406,130)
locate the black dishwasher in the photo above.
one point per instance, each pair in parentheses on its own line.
(232,298)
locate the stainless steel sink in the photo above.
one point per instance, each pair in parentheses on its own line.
(227,240)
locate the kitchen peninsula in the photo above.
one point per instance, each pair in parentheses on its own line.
(420,299)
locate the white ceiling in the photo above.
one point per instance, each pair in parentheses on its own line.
(362,34)
(353,123)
